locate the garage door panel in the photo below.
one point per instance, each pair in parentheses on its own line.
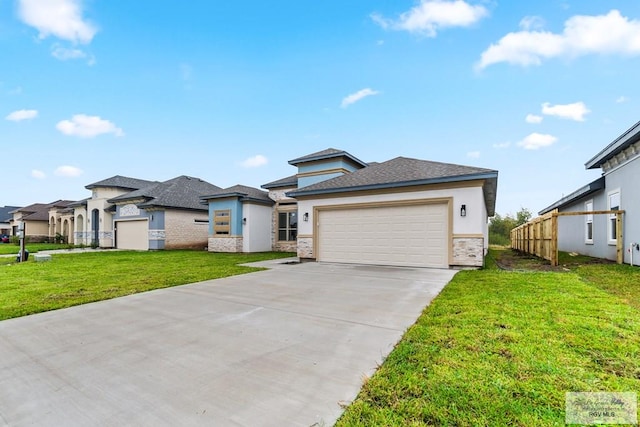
(415,235)
(132,235)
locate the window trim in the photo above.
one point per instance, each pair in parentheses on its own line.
(612,217)
(588,207)
(222,216)
(287,228)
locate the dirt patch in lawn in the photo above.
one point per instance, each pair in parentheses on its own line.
(508,259)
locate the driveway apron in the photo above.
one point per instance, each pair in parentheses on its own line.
(286,346)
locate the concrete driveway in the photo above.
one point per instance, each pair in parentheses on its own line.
(286,346)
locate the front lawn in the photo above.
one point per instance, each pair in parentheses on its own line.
(72,279)
(12,248)
(503,347)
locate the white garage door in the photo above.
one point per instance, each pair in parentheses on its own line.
(414,235)
(132,235)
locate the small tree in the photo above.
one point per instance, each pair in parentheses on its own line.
(500,227)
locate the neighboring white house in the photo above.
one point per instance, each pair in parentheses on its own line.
(616,189)
(337,208)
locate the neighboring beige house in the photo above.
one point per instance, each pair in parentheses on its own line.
(337,208)
(36,220)
(93,217)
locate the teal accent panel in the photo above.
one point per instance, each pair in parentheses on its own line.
(305,181)
(235,206)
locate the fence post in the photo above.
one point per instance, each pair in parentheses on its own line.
(619,242)
(554,239)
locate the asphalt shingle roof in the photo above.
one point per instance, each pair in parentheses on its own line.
(402,172)
(182,192)
(243,191)
(40,211)
(119,181)
(329,153)
(5,215)
(290,181)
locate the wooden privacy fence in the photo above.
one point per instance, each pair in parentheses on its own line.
(539,236)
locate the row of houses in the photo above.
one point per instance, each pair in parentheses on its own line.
(335,207)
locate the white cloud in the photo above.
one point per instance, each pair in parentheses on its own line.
(575,111)
(502,145)
(532,118)
(582,35)
(531,23)
(622,99)
(38,174)
(87,126)
(59,18)
(432,15)
(473,154)
(255,161)
(20,115)
(355,97)
(63,53)
(68,171)
(536,140)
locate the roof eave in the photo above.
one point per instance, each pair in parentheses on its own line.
(387,185)
(581,192)
(618,144)
(299,160)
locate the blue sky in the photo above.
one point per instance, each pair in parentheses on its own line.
(230,91)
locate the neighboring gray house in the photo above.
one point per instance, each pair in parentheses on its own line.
(163,215)
(337,208)
(616,189)
(5,219)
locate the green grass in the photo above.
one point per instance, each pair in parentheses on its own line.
(502,348)
(11,248)
(72,279)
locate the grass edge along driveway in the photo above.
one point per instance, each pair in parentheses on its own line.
(73,279)
(503,348)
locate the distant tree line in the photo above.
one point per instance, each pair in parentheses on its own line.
(500,226)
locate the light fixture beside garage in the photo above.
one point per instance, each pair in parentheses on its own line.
(305,217)
(463,210)
(244,221)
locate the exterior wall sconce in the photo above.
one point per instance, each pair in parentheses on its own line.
(305,217)
(463,210)
(244,221)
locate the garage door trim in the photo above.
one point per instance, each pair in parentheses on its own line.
(448,201)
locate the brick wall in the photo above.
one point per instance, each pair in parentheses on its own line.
(182,232)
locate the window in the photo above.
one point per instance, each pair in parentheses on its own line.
(588,206)
(287,226)
(614,205)
(222,222)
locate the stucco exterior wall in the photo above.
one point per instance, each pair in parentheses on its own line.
(256,232)
(185,229)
